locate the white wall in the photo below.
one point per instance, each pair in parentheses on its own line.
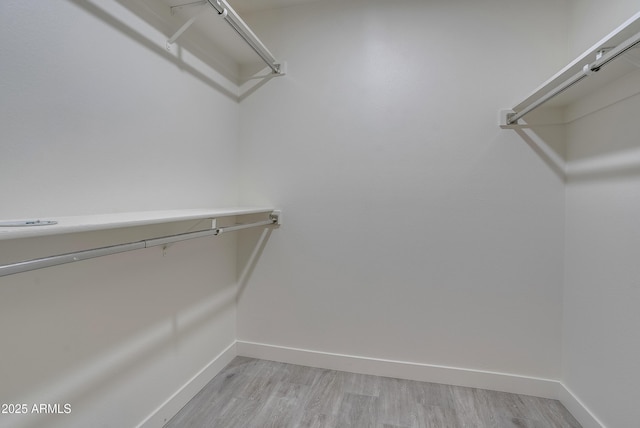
(602,293)
(416,230)
(591,20)
(96,117)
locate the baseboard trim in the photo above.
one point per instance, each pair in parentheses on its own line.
(173,404)
(578,409)
(517,384)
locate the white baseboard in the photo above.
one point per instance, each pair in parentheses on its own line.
(173,404)
(517,384)
(577,408)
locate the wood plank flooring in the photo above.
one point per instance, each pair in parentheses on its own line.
(258,393)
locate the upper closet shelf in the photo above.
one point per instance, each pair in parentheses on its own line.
(114,221)
(617,52)
(203,12)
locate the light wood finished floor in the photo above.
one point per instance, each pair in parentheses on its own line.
(258,393)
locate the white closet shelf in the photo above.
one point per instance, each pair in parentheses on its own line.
(203,14)
(120,220)
(614,70)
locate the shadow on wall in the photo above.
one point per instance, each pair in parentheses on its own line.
(74,332)
(599,151)
(252,84)
(129,357)
(251,245)
(589,147)
(606,167)
(613,162)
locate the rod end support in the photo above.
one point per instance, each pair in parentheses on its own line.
(276,217)
(282,69)
(504,119)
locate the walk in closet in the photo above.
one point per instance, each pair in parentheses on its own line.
(397,189)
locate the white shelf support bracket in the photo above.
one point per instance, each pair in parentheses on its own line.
(185,26)
(601,52)
(181,30)
(282,71)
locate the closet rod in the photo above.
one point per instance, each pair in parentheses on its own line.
(77,256)
(587,70)
(232,18)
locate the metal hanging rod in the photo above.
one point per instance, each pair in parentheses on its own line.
(77,256)
(233,19)
(602,60)
(243,30)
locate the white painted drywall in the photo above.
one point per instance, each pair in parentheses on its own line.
(591,20)
(416,230)
(113,337)
(97,117)
(602,291)
(601,345)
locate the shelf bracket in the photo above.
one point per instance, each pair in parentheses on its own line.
(505,119)
(187,24)
(276,217)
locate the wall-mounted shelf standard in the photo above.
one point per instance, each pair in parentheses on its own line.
(134,219)
(585,74)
